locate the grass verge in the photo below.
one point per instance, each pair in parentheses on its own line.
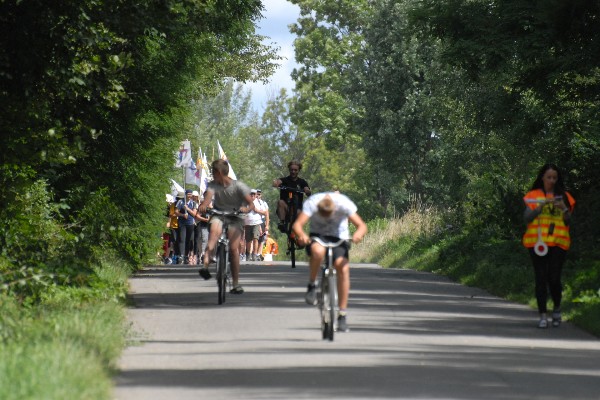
(419,240)
(66,346)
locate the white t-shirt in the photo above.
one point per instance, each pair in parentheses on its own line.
(337,224)
(253,218)
(261,205)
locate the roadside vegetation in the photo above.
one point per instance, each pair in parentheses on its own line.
(423,239)
(433,116)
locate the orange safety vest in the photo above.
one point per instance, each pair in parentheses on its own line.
(550,215)
(174,220)
(270,247)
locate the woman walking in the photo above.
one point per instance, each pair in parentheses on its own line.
(548,209)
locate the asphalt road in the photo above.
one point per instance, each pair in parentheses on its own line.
(413,335)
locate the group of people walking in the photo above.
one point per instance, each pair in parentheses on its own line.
(548,210)
(188,229)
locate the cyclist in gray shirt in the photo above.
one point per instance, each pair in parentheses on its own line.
(227,195)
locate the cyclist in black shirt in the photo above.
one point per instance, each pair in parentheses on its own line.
(293,181)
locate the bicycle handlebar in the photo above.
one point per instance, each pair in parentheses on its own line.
(291,189)
(214,211)
(328,244)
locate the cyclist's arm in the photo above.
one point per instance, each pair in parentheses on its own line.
(361,227)
(250,207)
(301,220)
(206,202)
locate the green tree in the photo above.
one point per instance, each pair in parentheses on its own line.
(95,96)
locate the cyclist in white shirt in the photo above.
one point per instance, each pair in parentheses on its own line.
(329,214)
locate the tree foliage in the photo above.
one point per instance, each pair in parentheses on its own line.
(94,97)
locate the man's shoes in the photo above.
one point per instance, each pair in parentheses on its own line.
(342,325)
(242,257)
(168,261)
(204,273)
(543,324)
(281,226)
(238,289)
(311,294)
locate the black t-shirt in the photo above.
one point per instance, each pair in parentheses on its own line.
(299,184)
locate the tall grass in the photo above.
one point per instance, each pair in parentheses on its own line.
(385,235)
(477,256)
(66,346)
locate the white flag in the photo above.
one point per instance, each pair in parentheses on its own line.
(203,181)
(183,157)
(205,165)
(175,188)
(191,174)
(222,156)
(201,172)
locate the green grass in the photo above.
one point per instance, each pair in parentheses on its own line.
(419,241)
(66,346)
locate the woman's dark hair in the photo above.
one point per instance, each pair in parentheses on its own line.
(559,187)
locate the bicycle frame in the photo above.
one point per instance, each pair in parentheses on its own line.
(222,256)
(327,294)
(223,265)
(290,218)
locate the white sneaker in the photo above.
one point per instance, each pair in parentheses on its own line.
(543,324)
(242,257)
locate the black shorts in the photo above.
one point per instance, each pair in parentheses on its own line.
(343,250)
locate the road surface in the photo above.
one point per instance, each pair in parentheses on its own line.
(414,335)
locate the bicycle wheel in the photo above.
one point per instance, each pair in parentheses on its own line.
(333,301)
(221,273)
(292,246)
(292,237)
(327,320)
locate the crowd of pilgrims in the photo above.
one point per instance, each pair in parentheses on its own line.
(187,230)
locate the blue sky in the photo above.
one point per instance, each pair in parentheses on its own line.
(278,14)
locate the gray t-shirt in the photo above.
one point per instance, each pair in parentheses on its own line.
(337,224)
(228,198)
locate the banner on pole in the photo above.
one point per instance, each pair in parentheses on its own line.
(183,158)
(222,156)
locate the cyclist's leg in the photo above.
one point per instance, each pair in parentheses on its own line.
(235,236)
(342,266)
(281,209)
(215,226)
(317,254)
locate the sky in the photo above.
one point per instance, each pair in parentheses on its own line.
(278,14)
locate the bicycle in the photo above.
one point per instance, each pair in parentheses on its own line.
(290,218)
(223,274)
(327,295)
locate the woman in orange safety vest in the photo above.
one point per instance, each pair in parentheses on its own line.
(548,208)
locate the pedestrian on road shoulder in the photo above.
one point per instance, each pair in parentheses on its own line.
(548,209)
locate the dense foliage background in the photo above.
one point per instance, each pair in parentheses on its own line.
(94,99)
(457,104)
(451,104)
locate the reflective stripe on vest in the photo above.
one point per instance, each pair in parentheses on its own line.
(550,216)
